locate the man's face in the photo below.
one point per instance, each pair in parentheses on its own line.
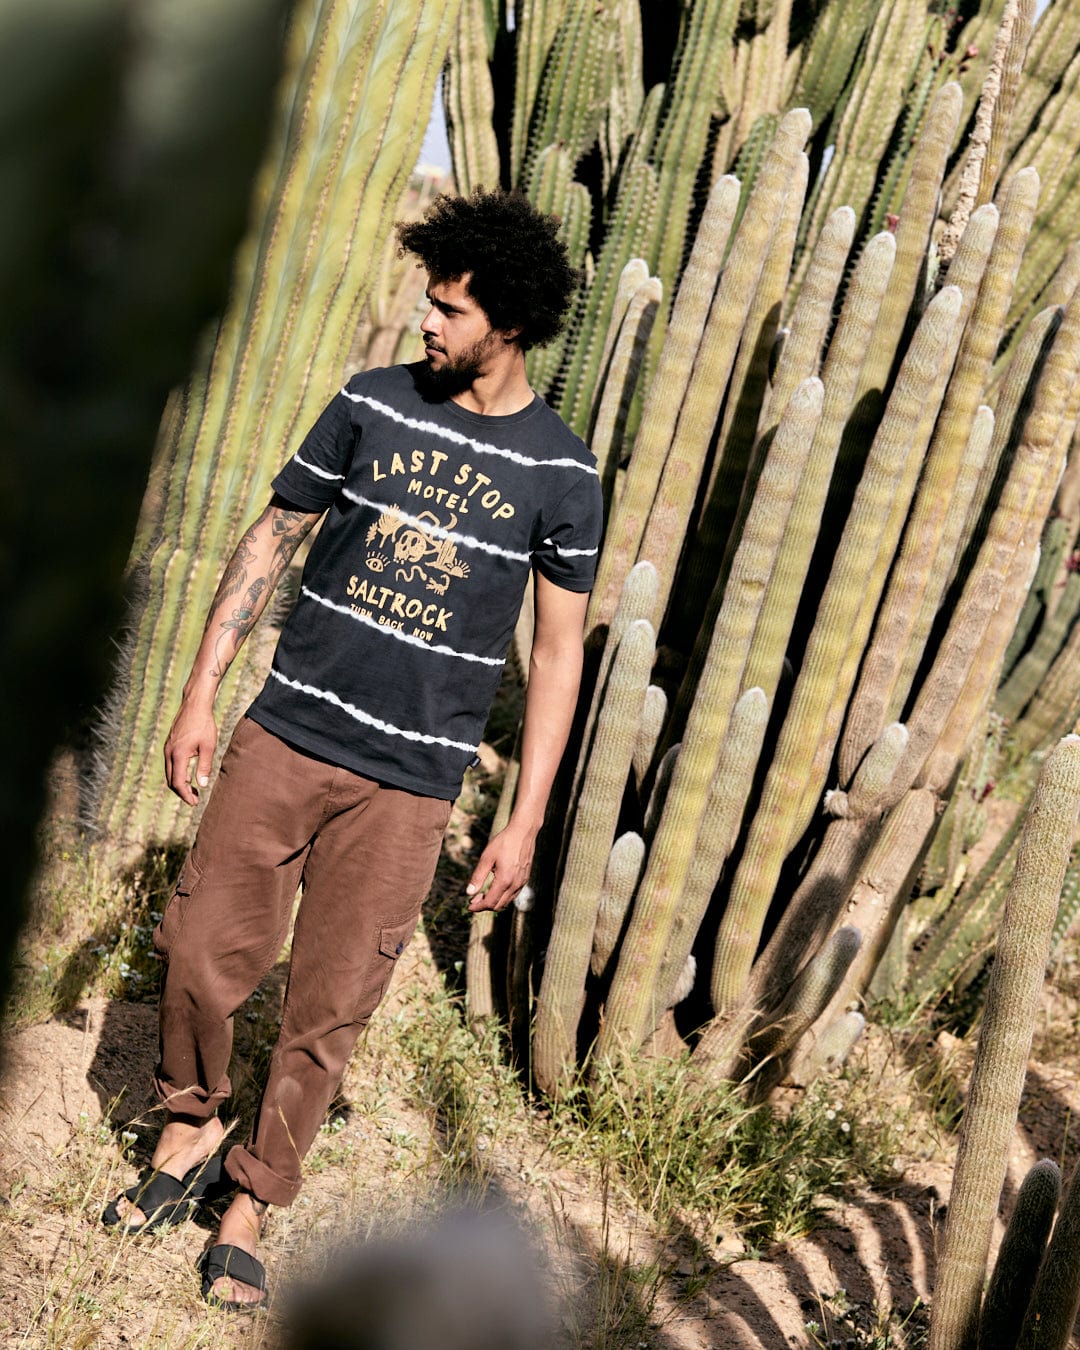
(459,341)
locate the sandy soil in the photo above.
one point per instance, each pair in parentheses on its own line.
(63,1076)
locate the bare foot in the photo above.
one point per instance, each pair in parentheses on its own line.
(241,1226)
(182,1145)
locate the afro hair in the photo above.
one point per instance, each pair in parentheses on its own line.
(520,274)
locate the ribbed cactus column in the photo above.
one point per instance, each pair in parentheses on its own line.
(662,539)
(1010,540)
(966,389)
(562,993)
(997,1076)
(839,377)
(917,214)
(800,356)
(1055,1300)
(621,380)
(664,399)
(661,896)
(875,902)
(620,881)
(469,100)
(813,910)
(814,989)
(841,626)
(350,119)
(1019,1257)
(878,698)
(728,791)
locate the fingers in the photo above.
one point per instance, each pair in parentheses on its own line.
(188,762)
(177,772)
(507,875)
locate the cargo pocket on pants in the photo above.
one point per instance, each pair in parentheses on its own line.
(170,923)
(391,940)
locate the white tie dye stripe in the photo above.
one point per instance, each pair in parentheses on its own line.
(571,552)
(457,438)
(314,468)
(398,633)
(328,696)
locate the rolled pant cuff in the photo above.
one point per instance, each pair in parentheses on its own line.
(191,1101)
(257,1179)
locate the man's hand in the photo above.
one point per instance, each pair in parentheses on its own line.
(508,860)
(193,736)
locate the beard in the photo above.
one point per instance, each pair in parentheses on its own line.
(453,376)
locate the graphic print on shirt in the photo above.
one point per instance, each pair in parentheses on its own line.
(418,545)
(425,554)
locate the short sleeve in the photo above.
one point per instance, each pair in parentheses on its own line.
(313,476)
(568,551)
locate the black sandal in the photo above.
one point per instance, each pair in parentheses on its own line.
(166,1200)
(229,1262)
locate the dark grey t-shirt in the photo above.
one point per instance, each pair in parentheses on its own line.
(436,515)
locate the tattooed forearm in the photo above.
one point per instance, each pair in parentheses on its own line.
(290,528)
(235,573)
(266,550)
(291,522)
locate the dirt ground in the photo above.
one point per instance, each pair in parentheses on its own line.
(876,1252)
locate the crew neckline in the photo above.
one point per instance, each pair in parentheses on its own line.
(494,419)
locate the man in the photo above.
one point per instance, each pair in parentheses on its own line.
(444,486)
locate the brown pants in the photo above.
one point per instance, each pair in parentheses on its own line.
(366,854)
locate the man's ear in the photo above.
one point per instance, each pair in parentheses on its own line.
(510,335)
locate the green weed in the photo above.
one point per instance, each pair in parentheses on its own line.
(59,961)
(699,1155)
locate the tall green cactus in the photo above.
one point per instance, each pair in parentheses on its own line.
(570,948)
(660,897)
(997,1076)
(688,319)
(841,627)
(468,98)
(1055,1299)
(894,568)
(349,121)
(1019,1257)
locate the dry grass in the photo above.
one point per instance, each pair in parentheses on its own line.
(637,1195)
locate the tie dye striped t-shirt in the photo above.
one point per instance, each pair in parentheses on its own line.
(435,517)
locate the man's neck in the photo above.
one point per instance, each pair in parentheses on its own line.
(497,393)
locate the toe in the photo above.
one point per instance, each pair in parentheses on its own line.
(229,1290)
(130,1215)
